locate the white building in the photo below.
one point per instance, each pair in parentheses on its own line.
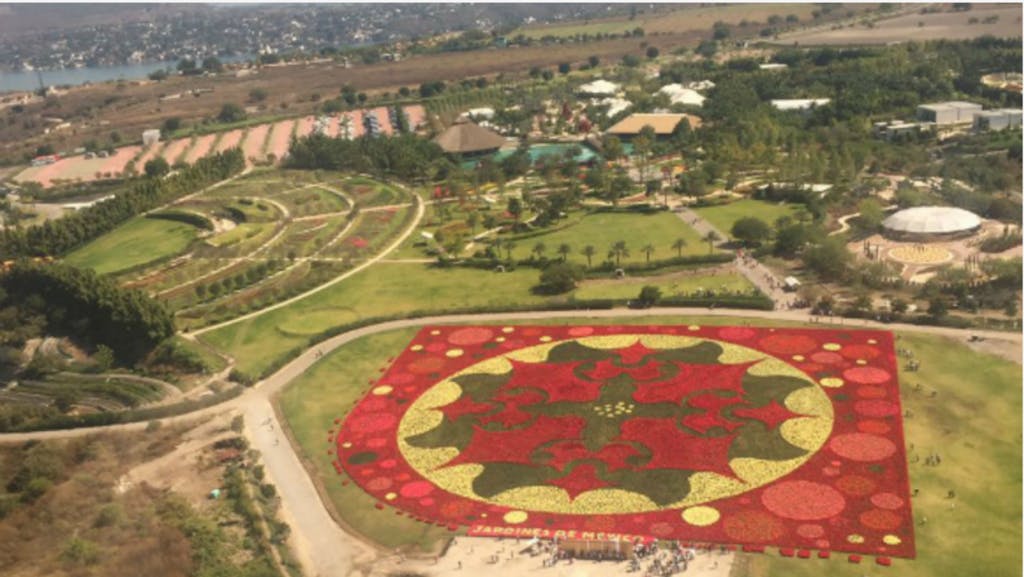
(799,103)
(1000,119)
(677,94)
(616,105)
(150,137)
(944,113)
(598,88)
(773,66)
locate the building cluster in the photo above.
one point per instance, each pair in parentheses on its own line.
(950,116)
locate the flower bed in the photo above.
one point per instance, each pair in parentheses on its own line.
(789,438)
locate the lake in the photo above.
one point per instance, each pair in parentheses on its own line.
(27,80)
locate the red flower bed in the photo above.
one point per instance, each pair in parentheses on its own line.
(788,438)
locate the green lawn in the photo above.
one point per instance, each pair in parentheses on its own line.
(670,285)
(383,290)
(723,217)
(137,242)
(241,232)
(974,423)
(601,230)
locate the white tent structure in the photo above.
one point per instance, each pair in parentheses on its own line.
(616,105)
(598,88)
(679,95)
(931,221)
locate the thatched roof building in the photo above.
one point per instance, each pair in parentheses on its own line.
(467,138)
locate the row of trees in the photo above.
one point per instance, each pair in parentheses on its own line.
(58,237)
(406,156)
(92,309)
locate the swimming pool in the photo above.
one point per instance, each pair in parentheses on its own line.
(539,151)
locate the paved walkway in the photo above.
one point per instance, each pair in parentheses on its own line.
(761,276)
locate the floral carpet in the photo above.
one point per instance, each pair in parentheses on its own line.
(789,438)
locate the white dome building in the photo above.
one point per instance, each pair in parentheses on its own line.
(931,223)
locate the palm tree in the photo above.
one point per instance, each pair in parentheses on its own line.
(538,250)
(564,250)
(678,245)
(647,250)
(619,250)
(589,251)
(508,248)
(711,238)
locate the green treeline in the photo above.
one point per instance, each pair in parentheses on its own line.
(91,309)
(407,157)
(58,237)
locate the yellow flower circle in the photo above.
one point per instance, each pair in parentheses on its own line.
(391,496)
(798,357)
(499,340)
(382,390)
(701,516)
(861,362)
(507,329)
(831,382)
(416,348)
(453,353)
(891,540)
(831,346)
(855,538)
(346,445)
(515,517)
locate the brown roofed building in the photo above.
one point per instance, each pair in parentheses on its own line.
(468,139)
(663,124)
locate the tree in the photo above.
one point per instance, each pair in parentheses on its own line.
(720,30)
(649,296)
(547,75)
(652,52)
(171,124)
(231,112)
(937,307)
(678,244)
(212,64)
(188,67)
(751,231)
(611,147)
(589,251)
(559,277)
(564,249)
(870,215)
(538,250)
(647,250)
(619,250)
(707,48)
(593,61)
(711,238)
(564,68)
(643,148)
(257,95)
(157,167)
(829,259)
(515,208)
(630,61)
(509,247)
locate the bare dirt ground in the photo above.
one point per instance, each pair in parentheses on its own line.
(920,27)
(188,469)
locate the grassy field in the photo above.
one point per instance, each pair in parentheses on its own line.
(981,462)
(601,230)
(670,285)
(723,217)
(139,241)
(381,290)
